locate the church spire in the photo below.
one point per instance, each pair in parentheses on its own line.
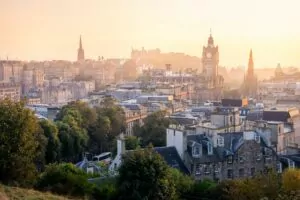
(80,55)
(80,43)
(250,65)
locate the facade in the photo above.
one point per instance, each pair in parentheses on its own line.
(250,81)
(223,155)
(10,90)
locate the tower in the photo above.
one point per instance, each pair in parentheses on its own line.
(250,82)
(210,60)
(80,55)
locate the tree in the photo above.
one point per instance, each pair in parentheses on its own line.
(291,182)
(73,141)
(64,179)
(183,183)
(53,147)
(19,133)
(132,142)
(261,186)
(84,115)
(154,129)
(143,174)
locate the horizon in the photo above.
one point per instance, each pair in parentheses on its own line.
(50,30)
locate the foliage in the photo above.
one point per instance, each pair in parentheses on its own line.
(73,140)
(110,123)
(154,129)
(132,142)
(53,147)
(19,139)
(183,183)
(144,174)
(291,180)
(64,179)
(265,186)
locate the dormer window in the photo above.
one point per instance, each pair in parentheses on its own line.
(196,151)
(220,141)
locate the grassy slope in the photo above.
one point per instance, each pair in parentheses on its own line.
(14,193)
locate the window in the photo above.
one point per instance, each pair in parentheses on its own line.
(209,149)
(196,151)
(258,157)
(198,169)
(229,160)
(241,172)
(291,164)
(241,159)
(268,160)
(206,169)
(279,168)
(252,171)
(230,173)
(220,141)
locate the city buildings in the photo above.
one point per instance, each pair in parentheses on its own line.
(10,90)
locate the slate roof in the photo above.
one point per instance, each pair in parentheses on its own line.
(254,115)
(172,158)
(232,102)
(284,160)
(277,116)
(232,142)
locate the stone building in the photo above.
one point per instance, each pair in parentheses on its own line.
(222,155)
(10,90)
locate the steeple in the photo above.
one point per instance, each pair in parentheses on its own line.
(250,71)
(80,55)
(80,43)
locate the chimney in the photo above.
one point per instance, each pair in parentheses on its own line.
(121,144)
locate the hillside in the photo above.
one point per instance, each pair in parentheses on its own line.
(14,193)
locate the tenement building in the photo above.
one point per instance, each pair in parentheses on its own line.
(223,155)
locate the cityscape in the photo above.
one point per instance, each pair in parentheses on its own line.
(154,124)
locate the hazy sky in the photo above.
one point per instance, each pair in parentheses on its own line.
(50,29)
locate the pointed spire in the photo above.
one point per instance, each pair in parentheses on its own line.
(80,43)
(250,65)
(250,57)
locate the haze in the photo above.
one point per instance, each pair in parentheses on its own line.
(50,29)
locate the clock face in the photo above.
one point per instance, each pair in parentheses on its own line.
(208,55)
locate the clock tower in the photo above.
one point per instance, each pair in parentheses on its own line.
(210,61)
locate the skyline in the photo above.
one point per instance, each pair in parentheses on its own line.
(50,30)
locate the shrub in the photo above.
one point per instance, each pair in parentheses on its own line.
(64,179)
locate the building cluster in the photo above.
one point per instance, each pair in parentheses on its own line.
(230,139)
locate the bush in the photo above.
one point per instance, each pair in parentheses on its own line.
(64,179)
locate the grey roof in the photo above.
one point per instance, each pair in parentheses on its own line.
(284,160)
(232,143)
(254,115)
(172,158)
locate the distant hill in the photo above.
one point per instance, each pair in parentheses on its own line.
(14,193)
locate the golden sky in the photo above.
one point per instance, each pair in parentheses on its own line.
(50,29)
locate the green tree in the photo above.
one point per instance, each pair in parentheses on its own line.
(64,179)
(53,147)
(73,141)
(84,115)
(145,175)
(19,142)
(154,129)
(132,142)
(183,183)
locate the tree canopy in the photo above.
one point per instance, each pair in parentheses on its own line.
(145,175)
(19,142)
(154,129)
